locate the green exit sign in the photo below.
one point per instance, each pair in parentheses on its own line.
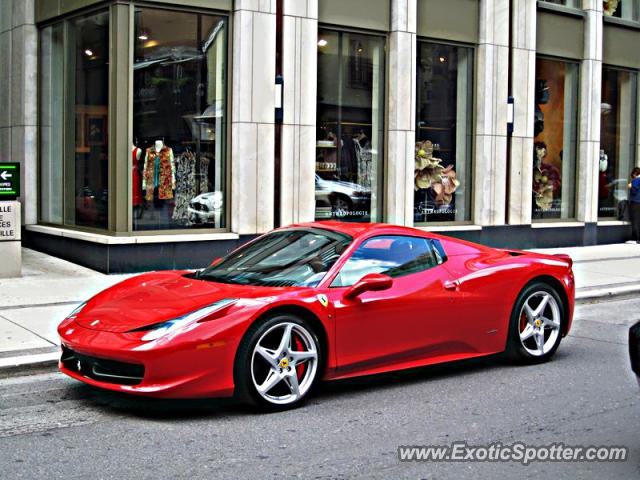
(9,181)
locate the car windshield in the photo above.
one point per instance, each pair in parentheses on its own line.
(285,258)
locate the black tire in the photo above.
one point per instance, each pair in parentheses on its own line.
(245,389)
(516,351)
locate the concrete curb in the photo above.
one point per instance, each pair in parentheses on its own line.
(21,364)
(607,291)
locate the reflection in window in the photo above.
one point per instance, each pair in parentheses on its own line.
(566,3)
(617,138)
(392,255)
(179,111)
(625,9)
(554,153)
(442,173)
(350,128)
(74,74)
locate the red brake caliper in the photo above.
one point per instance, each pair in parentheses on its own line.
(523,322)
(299,346)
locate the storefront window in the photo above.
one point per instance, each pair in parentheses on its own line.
(179,120)
(617,138)
(625,9)
(350,126)
(555,137)
(566,3)
(442,173)
(74,74)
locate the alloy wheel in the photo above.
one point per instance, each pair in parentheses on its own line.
(539,325)
(284,363)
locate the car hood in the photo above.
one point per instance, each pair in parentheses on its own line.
(160,296)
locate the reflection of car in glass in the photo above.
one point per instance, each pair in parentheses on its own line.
(620,189)
(318,301)
(206,208)
(342,197)
(634,349)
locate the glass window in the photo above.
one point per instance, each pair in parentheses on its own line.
(617,138)
(566,3)
(350,126)
(625,9)
(179,120)
(442,173)
(285,258)
(389,254)
(74,60)
(555,136)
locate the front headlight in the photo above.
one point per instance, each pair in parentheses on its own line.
(161,329)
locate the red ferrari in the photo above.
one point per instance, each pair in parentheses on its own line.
(317,301)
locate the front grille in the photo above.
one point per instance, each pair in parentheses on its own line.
(102,370)
(634,347)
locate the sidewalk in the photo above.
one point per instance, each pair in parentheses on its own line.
(31,307)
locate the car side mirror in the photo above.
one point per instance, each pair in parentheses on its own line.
(372,282)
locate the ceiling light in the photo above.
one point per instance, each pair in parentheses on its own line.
(88,53)
(322,42)
(143,36)
(442,59)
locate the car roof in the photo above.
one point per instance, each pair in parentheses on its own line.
(356,230)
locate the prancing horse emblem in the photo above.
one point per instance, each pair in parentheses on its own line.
(324,301)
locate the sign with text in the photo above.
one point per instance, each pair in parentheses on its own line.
(9,181)
(9,221)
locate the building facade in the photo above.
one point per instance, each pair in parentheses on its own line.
(163,133)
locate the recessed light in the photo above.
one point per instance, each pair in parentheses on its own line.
(442,59)
(322,42)
(143,36)
(88,53)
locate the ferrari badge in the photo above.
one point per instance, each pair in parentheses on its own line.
(324,301)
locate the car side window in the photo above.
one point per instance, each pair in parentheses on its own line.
(393,255)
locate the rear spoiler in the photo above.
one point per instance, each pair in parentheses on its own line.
(566,257)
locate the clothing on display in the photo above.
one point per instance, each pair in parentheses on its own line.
(185,186)
(136,180)
(546,179)
(159,173)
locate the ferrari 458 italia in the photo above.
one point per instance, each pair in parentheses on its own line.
(317,301)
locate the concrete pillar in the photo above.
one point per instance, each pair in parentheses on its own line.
(252,116)
(299,65)
(402,113)
(491,114)
(523,71)
(18,97)
(589,108)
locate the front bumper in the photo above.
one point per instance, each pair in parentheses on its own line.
(168,369)
(634,349)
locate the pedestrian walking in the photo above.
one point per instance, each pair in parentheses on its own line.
(634,205)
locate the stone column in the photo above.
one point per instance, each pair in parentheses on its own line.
(252,116)
(491,114)
(402,112)
(18,97)
(523,74)
(589,108)
(299,65)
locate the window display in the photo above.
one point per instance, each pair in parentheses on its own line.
(555,142)
(179,128)
(442,172)
(74,141)
(350,126)
(625,9)
(617,138)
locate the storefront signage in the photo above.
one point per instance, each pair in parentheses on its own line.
(9,221)
(9,181)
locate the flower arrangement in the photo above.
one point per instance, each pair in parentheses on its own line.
(429,173)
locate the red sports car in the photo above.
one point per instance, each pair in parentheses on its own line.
(314,301)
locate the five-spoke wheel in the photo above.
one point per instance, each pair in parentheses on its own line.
(536,323)
(278,362)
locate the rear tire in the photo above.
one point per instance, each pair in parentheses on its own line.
(536,324)
(278,363)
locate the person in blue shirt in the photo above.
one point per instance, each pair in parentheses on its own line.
(634,205)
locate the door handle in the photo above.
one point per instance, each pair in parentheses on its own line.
(452,284)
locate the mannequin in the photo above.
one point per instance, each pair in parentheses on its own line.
(136,154)
(159,173)
(546,178)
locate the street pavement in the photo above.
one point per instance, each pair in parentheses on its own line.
(31,307)
(54,427)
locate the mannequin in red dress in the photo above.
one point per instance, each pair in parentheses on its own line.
(136,180)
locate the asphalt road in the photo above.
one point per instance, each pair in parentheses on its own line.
(54,427)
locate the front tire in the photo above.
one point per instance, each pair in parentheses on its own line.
(535,327)
(278,363)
